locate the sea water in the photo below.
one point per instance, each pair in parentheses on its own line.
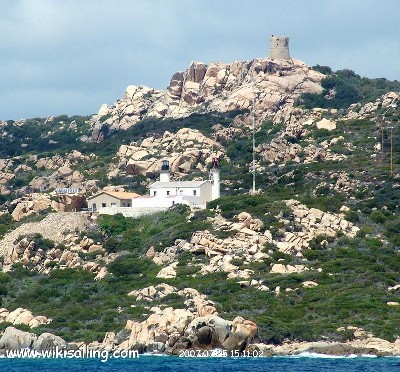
(307,362)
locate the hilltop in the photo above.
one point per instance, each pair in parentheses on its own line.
(313,256)
(265,84)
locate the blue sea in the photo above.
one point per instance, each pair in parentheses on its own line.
(176,364)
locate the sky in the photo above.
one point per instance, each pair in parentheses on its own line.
(70,56)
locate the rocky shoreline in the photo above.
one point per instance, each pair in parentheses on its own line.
(14,339)
(364,347)
(196,330)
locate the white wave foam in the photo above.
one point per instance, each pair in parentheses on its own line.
(307,354)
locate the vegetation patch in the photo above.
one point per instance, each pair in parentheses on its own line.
(344,87)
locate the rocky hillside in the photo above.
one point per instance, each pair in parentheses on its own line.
(265,84)
(314,255)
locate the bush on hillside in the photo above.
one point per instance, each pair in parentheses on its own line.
(344,87)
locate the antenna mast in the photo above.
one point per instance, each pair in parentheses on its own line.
(254,129)
(254,146)
(391,150)
(392,105)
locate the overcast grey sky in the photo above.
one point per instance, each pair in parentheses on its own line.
(70,56)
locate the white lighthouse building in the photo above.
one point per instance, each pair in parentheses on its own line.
(163,194)
(193,193)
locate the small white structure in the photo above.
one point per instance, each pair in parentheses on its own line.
(111,200)
(164,171)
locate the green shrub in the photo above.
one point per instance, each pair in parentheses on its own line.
(322,69)
(352,216)
(347,88)
(273,331)
(315,243)
(278,255)
(6,223)
(312,254)
(43,243)
(131,265)
(393,231)
(4,278)
(158,230)
(113,244)
(186,271)
(19,270)
(201,215)
(378,217)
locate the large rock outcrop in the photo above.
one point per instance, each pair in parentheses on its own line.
(187,149)
(211,332)
(313,222)
(169,330)
(271,85)
(246,244)
(35,203)
(14,339)
(27,253)
(22,316)
(55,226)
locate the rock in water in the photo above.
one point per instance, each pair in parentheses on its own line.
(14,339)
(48,341)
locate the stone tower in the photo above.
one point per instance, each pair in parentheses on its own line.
(279,47)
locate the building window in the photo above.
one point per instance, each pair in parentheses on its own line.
(113,204)
(173,202)
(168,192)
(194,192)
(94,207)
(154,193)
(123,204)
(103,205)
(129,204)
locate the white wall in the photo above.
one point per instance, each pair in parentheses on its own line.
(203,195)
(108,200)
(132,211)
(155,202)
(163,192)
(215,193)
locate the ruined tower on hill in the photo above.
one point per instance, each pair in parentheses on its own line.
(279,47)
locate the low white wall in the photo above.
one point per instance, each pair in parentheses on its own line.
(132,211)
(155,202)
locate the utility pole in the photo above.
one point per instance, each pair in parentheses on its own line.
(391,150)
(383,119)
(253,114)
(254,144)
(393,104)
